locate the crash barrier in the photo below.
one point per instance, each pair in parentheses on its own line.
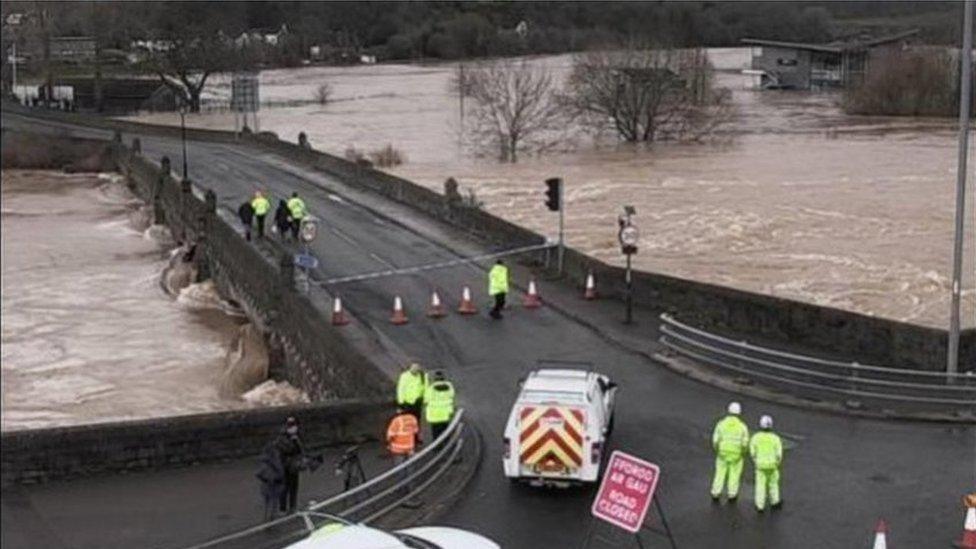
(364,503)
(935,391)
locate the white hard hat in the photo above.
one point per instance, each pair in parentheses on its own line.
(735,408)
(766,422)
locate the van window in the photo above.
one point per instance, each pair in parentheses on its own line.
(553,396)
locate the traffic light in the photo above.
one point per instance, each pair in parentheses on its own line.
(553,188)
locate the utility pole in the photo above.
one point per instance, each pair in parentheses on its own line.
(99,96)
(965,102)
(461,91)
(13,64)
(46,36)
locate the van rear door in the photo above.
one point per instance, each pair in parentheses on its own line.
(551,439)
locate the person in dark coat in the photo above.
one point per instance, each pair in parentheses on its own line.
(272,478)
(292,454)
(246,213)
(283,219)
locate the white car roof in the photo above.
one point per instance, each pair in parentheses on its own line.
(351,537)
(557,380)
(451,538)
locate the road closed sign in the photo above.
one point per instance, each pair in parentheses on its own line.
(626,491)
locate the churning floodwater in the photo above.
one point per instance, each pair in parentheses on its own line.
(796,199)
(88,333)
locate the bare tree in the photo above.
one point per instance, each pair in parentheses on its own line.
(515,107)
(188,45)
(648,94)
(184,63)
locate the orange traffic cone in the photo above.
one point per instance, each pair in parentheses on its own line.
(590,292)
(968,539)
(467,306)
(436,309)
(881,536)
(338,314)
(399,317)
(532,299)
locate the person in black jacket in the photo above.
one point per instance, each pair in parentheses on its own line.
(246,213)
(292,455)
(272,478)
(283,219)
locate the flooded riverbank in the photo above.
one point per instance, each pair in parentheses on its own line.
(796,200)
(89,334)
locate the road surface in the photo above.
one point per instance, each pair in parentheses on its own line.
(841,474)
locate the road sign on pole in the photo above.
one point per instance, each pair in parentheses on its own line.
(626,491)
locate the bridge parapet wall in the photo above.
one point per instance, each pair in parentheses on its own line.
(40,455)
(305,348)
(778,321)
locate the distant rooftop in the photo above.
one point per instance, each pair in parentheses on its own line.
(838,46)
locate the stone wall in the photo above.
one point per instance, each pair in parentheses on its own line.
(305,348)
(26,150)
(776,321)
(772,320)
(39,455)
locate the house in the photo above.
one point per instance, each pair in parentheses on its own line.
(803,66)
(268,37)
(119,95)
(73,49)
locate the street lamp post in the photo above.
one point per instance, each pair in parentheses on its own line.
(628,237)
(183,107)
(965,100)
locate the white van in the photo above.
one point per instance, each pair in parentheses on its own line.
(558,428)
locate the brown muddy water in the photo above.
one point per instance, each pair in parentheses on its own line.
(89,334)
(796,199)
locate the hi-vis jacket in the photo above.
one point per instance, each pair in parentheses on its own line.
(730,438)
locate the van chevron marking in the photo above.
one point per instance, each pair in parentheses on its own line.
(552,434)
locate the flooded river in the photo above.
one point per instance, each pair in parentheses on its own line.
(796,200)
(88,334)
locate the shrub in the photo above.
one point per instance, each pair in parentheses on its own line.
(906,84)
(387,157)
(323,94)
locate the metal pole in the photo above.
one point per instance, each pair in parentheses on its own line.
(14,65)
(562,209)
(630,294)
(965,100)
(461,90)
(664,522)
(183,133)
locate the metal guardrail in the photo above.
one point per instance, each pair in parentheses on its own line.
(362,504)
(934,391)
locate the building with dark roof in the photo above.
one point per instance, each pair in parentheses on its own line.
(803,66)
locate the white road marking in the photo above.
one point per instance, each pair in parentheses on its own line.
(345,237)
(381,260)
